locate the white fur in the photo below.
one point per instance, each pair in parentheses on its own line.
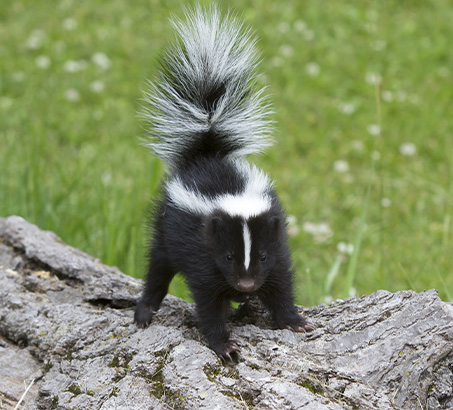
(219,51)
(247,245)
(254,200)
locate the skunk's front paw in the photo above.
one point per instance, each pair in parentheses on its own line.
(143,315)
(225,350)
(299,324)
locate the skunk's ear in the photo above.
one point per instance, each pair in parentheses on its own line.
(277,227)
(214,225)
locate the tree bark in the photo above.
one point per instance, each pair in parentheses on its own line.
(66,323)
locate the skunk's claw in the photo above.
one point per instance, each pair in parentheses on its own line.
(230,348)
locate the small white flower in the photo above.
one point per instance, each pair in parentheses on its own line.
(312,69)
(373,78)
(300,26)
(373,129)
(97,86)
(376,155)
(341,166)
(386,202)
(72,94)
(328,299)
(387,96)
(357,145)
(320,231)
(293,229)
(286,50)
(352,292)
(72,66)
(277,61)
(101,60)
(309,35)
(346,108)
(345,248)
(408,149)
(42,62)
(106,178)
(69,23)
(18,76)
(35,40)
(283,27)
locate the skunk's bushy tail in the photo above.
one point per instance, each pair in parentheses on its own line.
(205,101)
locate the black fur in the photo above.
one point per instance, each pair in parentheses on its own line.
(208,248)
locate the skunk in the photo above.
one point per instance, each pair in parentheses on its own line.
(219,221)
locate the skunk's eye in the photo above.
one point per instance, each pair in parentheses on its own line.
(263,257)
(229,257)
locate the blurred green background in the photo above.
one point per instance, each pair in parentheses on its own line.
(364,157)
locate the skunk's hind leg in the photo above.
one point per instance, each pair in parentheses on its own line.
(160,273)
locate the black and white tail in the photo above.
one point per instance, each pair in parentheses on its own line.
(205,100)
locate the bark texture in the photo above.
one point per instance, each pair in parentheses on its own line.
(66,322)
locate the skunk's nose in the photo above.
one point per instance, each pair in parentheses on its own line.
(246,285)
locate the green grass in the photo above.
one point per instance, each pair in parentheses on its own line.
(71,162)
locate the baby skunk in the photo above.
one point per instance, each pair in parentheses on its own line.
(219,221)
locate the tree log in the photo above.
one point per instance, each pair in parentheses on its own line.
(66,323)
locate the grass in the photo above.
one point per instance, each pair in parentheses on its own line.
(70,158)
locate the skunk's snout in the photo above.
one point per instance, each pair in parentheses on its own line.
(246,285)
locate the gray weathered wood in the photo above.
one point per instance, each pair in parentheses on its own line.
(66,321)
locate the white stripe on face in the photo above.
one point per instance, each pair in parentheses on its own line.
(247,244)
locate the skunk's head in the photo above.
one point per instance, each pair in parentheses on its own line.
(245,250)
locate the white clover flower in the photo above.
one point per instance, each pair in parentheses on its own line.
(352,292)
(42,62)
(101,60)
(319,231)
(69,23)
(277,61)
(357,145)
(97,86)
(106,178)
(300,26)
(71,94)
(345,248)
(309,35)
(283,27)
(72,66)
(35,40)
(312,69)
(328,299)
(293,228)
(373,78)
(346,108)
(408,149)
(386,202)
(341,166)
(373,129)
(387,96)
(286,50)
(18,76)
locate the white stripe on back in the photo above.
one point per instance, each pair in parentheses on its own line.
(254,200)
